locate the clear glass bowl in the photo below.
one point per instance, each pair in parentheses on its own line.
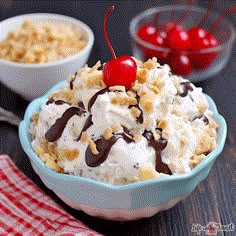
(225,33)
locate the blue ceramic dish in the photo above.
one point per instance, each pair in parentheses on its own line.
(126,202)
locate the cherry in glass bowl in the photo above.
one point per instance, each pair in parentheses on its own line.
(188,61)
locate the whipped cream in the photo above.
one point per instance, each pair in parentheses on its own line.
(119,136)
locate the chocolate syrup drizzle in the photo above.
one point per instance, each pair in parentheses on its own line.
(186,87)
(57,102)
(158,146)
(56,130)
(81,105)
(203,118)
(139,119)
(72,81)
(94,97)
(104,146)
(87,124)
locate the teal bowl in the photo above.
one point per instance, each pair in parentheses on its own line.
(126,202)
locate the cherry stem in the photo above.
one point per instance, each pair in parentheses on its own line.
(156,19)
(209,9)
(172,14)
(218,20)
(190,3)
(111,8)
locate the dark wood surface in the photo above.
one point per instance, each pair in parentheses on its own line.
(214,199)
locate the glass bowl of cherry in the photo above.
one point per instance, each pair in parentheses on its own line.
(194,41)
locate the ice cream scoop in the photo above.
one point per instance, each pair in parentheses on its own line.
(161,126)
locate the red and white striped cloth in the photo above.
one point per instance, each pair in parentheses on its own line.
(26,210)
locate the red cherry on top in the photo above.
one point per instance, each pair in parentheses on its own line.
(121,70)
(178,39)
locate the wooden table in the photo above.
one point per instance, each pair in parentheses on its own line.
(213,199)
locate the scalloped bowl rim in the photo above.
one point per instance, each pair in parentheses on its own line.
(25,140)
(152,10)
(53,16)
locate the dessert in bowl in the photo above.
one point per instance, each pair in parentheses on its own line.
(41,49)
(123,152)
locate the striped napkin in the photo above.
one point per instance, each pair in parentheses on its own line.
(26,210)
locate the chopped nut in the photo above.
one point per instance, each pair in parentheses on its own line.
(84,137)
(182,143)
(80,71)
(159,83)
(35,117)
(212,124)
(146,173)
(143,92)
(93,147)
(137,138)
(206,144)
(48,155)
(135,111)
(123,100)
(165,135)
(150,63)
(117,128)
(42,42)
(156,135)
(131,93)
(93,79)
(108,133)
(138,62)
(117,88)
(154,88)
(70,154)
(195,160)
(147,122)
(95,67)
(202,107)
(142,75)
(132,101)
(135,86)
(120,100)
(162,124)
(146,102)
(52,164)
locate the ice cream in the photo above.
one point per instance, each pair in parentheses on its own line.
(161,126)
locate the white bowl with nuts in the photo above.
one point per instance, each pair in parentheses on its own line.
(39,50)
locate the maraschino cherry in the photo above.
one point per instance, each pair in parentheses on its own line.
(180,64)
(146,31)
(176,24)
(158,40)
(177,37)
(121,70)
(202,39)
